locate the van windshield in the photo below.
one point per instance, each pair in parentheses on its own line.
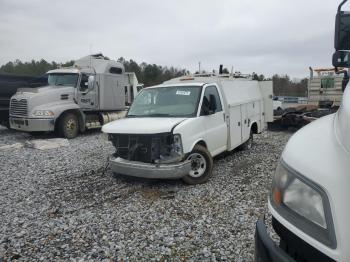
(63,79)
(174,101)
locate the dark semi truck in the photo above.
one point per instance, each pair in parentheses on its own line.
(8,87)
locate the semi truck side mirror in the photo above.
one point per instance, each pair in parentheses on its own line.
(341,59)
(342,29)
(91,82)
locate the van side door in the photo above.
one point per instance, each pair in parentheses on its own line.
(215,123)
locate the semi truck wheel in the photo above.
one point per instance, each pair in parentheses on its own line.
(68,126)
(202,166)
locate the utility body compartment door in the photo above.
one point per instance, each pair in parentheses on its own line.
(245,122)
(235,126)
(267,94)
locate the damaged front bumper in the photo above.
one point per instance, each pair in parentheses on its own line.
(145,170)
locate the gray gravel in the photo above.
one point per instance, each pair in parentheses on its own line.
(59,204)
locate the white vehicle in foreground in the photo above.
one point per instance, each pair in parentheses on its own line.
(175,129)
(309,199)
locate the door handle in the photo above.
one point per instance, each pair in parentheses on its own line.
(239,123)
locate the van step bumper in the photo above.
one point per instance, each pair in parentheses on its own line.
(145,170)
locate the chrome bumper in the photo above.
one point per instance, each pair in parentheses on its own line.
(145,170)
(32,124)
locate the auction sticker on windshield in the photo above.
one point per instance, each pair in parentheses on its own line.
(183,93)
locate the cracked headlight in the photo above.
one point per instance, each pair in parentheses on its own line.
(177,144)
(303,203)
(43,113)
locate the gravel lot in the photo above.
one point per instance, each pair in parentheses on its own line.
(59,204)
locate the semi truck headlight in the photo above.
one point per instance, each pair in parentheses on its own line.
(43,113)
(177,144)
(303,203)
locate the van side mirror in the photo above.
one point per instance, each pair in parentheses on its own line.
(342,29)
(212,104)
(91,82)
(205,110)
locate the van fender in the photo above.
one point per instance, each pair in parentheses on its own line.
(199,141)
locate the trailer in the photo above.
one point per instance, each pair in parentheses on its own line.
(8,87)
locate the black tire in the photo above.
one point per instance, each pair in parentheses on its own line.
(68,126)
(6,124)
(249,143)
(37,133)
(200,172)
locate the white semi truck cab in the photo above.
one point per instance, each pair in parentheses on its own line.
(174,130)
(93,92)
(309,198)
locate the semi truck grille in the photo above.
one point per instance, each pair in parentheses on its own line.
(18,107)
(297,248)
(142,148)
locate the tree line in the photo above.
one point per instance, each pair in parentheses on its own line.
(152,74)
(284,86)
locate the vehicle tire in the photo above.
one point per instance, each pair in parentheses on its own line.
(68,126)
(6,124)
(249,143)
(37,133)
(202,166)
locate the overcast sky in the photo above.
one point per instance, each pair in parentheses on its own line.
(264,36)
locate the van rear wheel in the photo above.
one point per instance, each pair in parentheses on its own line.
(201,166)
(68,126)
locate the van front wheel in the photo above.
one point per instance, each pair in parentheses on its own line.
(201,166)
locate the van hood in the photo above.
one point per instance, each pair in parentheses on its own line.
(142,125)
(342,120)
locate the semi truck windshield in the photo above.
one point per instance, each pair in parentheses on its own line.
(63,79)
(174,101)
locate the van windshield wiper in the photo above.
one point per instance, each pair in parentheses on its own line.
(158,115)
(151,115)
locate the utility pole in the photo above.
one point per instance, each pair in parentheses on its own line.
(199,67)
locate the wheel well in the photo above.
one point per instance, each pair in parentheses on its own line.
(202,143)
(254,128)
(77,113)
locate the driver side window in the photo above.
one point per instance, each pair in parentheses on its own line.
(211,101)
(84,82)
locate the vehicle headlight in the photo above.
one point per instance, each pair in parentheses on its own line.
(303,203)
(177,144)
(43,113)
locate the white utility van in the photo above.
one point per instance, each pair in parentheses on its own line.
(309,199)
(174,130)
